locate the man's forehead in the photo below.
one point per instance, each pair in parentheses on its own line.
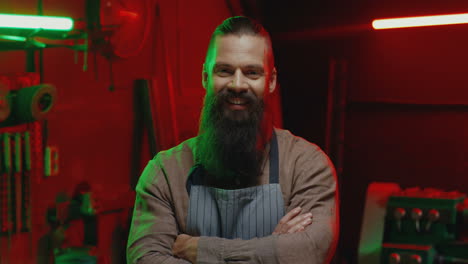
(222,64)
(240,42)
(247,48)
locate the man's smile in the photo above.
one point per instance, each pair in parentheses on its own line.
(237,103)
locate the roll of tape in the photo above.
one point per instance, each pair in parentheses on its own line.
(33,103)
(5,102)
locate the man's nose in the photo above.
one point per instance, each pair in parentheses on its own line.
(238,83)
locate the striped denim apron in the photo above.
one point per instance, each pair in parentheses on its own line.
(240,213)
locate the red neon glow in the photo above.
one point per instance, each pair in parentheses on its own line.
(129,14)
(421,21)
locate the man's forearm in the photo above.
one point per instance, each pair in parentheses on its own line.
(158,258)
(221,250)
(310,246)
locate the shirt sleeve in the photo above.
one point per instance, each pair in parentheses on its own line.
(314,188)
(154,227)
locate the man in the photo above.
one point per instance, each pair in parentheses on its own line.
(241,191)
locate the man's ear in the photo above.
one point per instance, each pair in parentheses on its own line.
(204,77)
(272,81)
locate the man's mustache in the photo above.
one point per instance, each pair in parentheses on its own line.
(226,94)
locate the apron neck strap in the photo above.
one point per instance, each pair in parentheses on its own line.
(274,159)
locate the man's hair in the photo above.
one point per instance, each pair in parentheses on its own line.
(240,26)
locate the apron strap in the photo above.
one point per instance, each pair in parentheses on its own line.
(195,177)
(274,160)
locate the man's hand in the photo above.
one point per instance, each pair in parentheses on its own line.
(185,247)
(293,222)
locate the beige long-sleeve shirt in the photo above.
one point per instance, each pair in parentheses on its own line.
(307,179)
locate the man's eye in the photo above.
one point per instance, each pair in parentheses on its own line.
(223,72)
(253,74)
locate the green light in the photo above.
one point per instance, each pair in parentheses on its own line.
(14,38)
(36,22)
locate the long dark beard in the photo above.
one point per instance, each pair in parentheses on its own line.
(228,143)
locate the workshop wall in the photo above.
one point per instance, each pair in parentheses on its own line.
(93,127)
(407,114)
(407,100)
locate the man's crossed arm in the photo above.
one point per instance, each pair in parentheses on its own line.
(155,236)
(186,247)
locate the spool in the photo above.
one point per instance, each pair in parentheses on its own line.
(34,102)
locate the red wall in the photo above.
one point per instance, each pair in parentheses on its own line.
(407,115)
(92,126)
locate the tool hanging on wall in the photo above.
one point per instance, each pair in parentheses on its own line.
(30,104)
(17,180)
(23,99)
(26,184)
(51,161)
(18,144)
(34,103)
(118,29)
(5,104)
(7,220)
(17,170)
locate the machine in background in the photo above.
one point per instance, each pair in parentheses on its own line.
(414,225)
